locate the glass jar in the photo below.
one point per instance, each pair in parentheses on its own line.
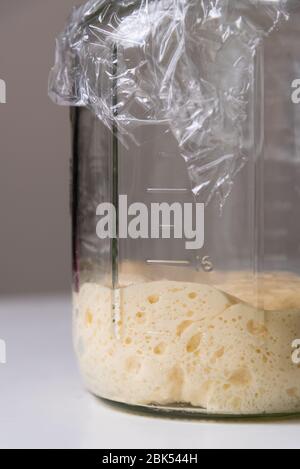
(185,202)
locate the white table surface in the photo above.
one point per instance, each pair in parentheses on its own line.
(44,405)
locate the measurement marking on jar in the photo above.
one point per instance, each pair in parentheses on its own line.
(169,190)
(167,262)
(204,263)
(276,233)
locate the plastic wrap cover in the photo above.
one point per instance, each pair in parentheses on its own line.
(191,65)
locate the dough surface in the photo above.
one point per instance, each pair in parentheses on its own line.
(208,347)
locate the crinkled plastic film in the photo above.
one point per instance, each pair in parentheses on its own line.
(135,63)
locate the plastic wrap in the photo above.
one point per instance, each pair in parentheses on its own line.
(187,64)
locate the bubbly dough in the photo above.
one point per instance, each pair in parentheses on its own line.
(192,344)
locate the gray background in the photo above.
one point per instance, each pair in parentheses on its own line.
(35,152)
